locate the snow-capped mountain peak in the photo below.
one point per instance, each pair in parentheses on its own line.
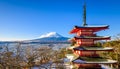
(50,34)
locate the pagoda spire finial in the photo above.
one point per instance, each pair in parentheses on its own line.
(84,14)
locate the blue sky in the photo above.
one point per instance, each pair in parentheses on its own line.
(28,19)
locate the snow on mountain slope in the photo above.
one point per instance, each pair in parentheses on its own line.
(51,37)
(51,34)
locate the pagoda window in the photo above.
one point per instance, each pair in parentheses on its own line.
(78,52)
(78,33)
(85,41)
(88,30)
(85,53)
(84,33)
(88,53)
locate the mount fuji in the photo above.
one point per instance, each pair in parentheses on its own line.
(51,34)
(51,37)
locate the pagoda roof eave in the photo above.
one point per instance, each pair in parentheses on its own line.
(90,26)
(79,61)
(94,28)
(92,48)
(95,38)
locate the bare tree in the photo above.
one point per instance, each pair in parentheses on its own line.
(27,57)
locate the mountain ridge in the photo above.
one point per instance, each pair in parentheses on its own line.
(45,38)
(51,37)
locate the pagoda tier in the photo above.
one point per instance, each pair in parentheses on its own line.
(89,51)
(93,60)
(88,29)
(94,63)
(87,40)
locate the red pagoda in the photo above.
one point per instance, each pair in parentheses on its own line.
(84,46)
